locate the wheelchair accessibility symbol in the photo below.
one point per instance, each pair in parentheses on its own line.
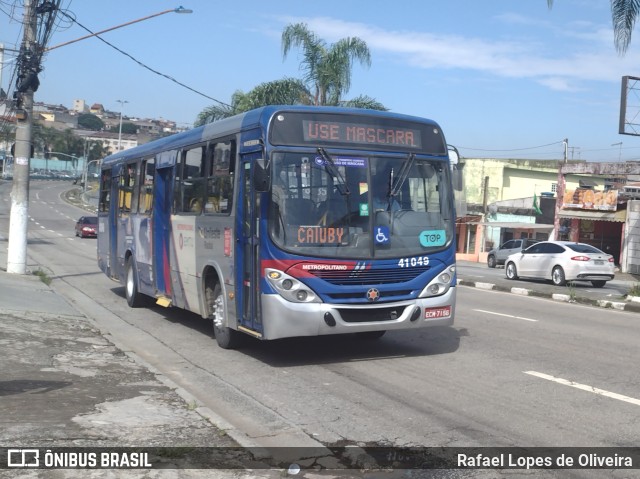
(382,235)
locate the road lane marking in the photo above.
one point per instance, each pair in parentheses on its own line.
(506,315)
(585,387)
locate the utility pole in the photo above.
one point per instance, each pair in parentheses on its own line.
(27,84)
(560,186)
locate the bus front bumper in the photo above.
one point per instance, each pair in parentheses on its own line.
(284,319)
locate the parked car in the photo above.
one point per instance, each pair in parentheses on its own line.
(562,261)
(87,226)
(499,255)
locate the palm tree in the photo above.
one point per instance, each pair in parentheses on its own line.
(327,68)
(288,91)
(623,14)
(327,77)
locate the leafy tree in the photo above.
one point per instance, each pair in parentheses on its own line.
(90,122)
(364,101)
(129,128)
(96,150)
(7,133)
(288,91)
(43,138)
(624,14)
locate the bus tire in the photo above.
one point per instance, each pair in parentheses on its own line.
(226,337)
(135,299)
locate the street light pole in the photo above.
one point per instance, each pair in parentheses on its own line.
(173,10)
(86,173)
(122,102)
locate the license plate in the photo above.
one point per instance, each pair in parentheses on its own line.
(598,262)
(433,313)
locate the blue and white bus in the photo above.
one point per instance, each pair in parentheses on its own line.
(287,221)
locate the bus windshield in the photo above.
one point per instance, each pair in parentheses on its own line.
(360,206)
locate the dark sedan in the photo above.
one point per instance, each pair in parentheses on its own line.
(87,227)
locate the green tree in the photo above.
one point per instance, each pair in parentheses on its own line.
(7,134)
(43,138)
(327,68)
(288,91)
(90,122)
(129,128)
(96,150)
(624,14)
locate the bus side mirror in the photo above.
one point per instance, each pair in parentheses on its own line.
(457,164)
(261,176)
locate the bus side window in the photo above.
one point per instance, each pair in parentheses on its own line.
(190,185)
(105,191)
(220,182)
(145,200)
(127,184)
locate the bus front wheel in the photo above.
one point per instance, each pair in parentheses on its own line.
(226,337)
(135,299)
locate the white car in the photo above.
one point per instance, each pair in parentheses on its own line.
(562,261)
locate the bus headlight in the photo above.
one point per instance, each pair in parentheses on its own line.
(440,284)
(290,288)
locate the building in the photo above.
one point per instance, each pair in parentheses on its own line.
(573,200)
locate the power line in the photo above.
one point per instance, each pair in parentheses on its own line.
(514,149)
(142,64)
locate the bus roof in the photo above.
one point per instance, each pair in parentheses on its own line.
(243,121)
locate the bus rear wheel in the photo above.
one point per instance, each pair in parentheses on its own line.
(226,337)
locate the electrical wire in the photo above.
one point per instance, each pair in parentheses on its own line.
(140,63)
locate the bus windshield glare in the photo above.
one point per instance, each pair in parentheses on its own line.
(342,206)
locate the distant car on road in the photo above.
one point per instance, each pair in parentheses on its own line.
(87,226)
(499,255)
(562,262)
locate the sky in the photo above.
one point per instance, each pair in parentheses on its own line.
(503,78)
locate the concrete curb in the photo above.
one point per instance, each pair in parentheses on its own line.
(628,306)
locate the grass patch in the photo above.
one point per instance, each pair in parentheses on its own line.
(44,277)
(635,290)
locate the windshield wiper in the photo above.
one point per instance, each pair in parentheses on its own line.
(331,168)
(403,174)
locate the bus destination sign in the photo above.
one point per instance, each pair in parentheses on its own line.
(340,132)
(366,131)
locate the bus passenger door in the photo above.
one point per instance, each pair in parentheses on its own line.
(114,215)
(161,225)
(247,248)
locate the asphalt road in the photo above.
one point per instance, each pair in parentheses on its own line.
(512,371)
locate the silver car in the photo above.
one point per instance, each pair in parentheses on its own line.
(499,255)
(562,262)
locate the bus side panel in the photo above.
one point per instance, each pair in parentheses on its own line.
(183,262)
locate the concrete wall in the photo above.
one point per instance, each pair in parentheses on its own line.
(631,239)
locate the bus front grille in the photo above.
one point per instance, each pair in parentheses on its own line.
(370,276)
